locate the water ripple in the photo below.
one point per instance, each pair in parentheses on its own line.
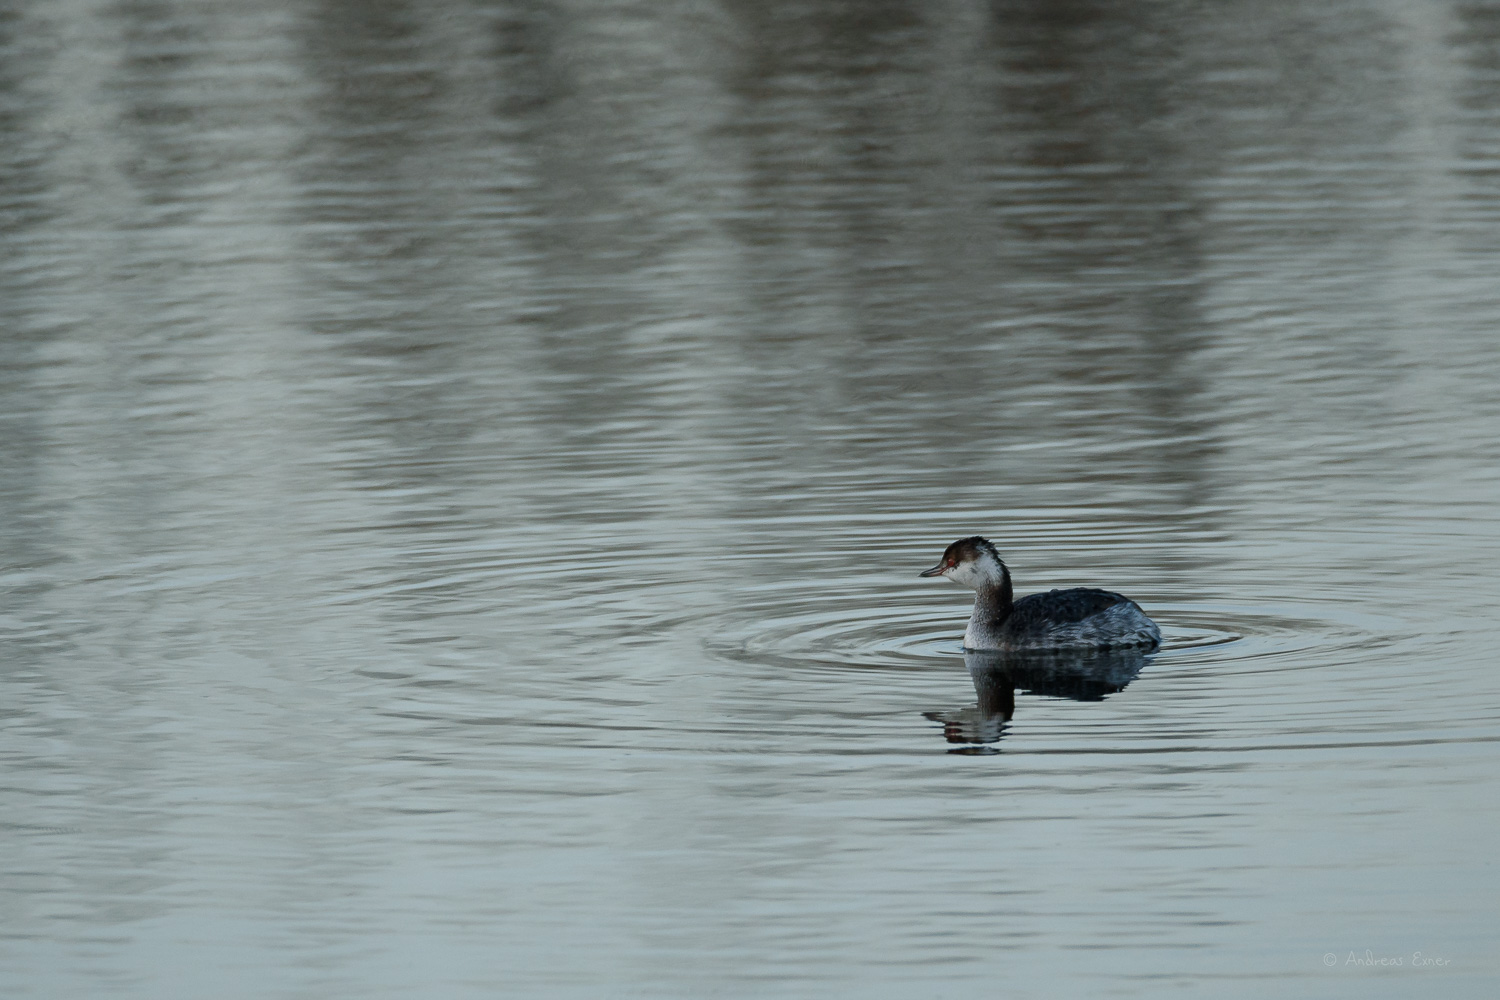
(1198,636)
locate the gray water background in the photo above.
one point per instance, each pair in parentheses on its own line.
(465,468)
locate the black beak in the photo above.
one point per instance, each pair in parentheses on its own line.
(935,571)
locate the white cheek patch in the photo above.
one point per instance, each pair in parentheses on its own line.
(976,574)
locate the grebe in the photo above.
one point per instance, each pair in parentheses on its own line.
(1059,619)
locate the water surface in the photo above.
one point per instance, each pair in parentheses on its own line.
(465,469)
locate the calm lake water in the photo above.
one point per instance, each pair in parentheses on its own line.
(465,467)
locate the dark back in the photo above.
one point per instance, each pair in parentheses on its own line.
(1037,612)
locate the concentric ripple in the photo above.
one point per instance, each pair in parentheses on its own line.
(1196,635)
(1230,677)
(891,637)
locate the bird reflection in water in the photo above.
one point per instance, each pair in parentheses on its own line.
(1081,676)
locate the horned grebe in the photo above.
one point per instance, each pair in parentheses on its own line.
(1059,619)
